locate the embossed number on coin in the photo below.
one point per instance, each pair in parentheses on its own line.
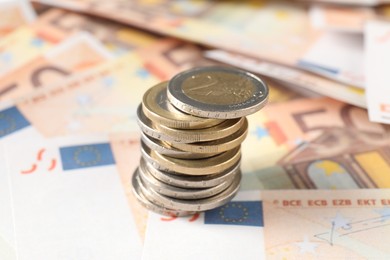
(217,92)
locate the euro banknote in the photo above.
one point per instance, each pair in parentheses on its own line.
(14,14)
(290,76)
(315,143)
(377,47)
(351,2)
(347,19)
(72,199)
(118,38)
(327,224)
(277,31)
(103,99)
(287,224)
(20,46)
(75,54)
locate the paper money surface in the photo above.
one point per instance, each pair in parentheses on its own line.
(103,99)
(20,46)
(13,128)
(299,78)
(315,143)
(232,231)
(14,13)
(338,56)
(378,80)
(118,38)
(7,245)
(77,53)
(345,19)
(326,224)
(277,31)
(167,57)
(69,200)
(352,2)
(315,224)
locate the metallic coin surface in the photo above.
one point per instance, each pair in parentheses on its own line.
(165,148)
(157,108)
(217,92)
(216,146)
(164,133)
(149,205)
(216,164)
(186,181)
(176,192)
(193,205)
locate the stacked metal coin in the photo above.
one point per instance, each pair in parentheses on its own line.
(192,128)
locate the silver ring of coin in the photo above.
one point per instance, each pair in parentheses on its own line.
(216,146)
(217,92)
(176,192)
(149,205)
(164,148)
(156,106)
(185,181)
(215,164)
(164,133)
(192,205)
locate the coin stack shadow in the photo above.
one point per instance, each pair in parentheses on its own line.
(189,163)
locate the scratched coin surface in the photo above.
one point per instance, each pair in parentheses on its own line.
(167,149)
(218,145)
(143,200)
(217,92)
(215,164)
(186,181)
(177,192)
(164,133)
(157,107)
(192,205)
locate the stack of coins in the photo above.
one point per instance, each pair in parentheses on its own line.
(192,129)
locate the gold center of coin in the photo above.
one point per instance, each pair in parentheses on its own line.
(219,88)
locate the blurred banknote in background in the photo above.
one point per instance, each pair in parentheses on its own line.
(14,14)
(377,42)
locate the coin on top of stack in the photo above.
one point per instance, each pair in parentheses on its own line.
(192,129)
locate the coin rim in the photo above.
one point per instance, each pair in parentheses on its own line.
(170,151)
(179,119)
(184,103)
(178,192)
(171,165)
(144,201)
(164,133)
(188,181)
(195,205)
(215,146)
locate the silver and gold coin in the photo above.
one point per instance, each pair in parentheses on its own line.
(215,164)
(164,133)
(217,92)
(188,181)
(165,148)
(157,108)
(149,205)
(192,205)
(177,192)
(215,146)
